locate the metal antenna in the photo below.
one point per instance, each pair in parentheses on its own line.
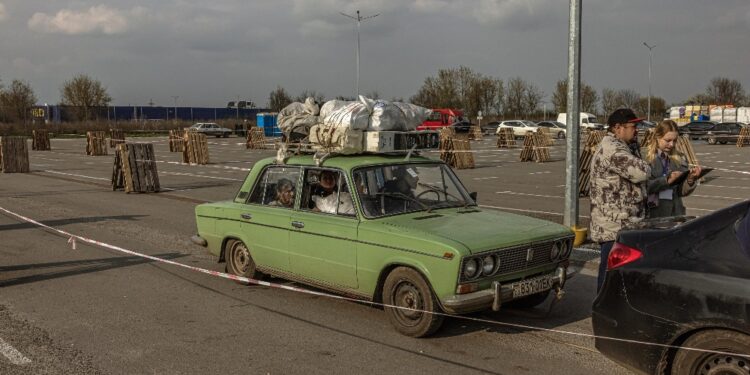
(359,20)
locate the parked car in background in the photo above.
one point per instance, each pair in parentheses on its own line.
(406,233)
(697,129)
(556,129)
(441,117)
(724,133)
(520,127)
(679,283)
(586,120)
(463,126)
(210,128)
(490,127)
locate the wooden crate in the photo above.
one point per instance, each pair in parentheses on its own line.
(134,169)
(96,143)
(475,133)
(686,148)
(256,139)
(196,148)
(176,141)
(506,138)
(116,136)
(535,148)
(40,140)
(544,133)
(590,145)
(14,155)
(744,138)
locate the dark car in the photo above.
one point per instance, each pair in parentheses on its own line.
(676,282)
(724,132)
(462,126)
(556,129)
(490,127)
(697,129)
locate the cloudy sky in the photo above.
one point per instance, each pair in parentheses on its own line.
(209,52)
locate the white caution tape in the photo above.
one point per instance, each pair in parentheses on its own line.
(333,296)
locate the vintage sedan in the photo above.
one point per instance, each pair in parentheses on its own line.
(399,231)
(210,128)
(673,283)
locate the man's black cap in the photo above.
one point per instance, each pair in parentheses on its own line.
(622,116)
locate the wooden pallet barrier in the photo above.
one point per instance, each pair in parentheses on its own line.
(116,136)
(176,141)
(455,149)
(534,148)
(14,155)
(648,138)
(40,140)
(475,133)
(544,133)
(96,143)
(744,138)
(196,148)
(593,138)
(255,138)
(686,148)
(135,168)
(506,138)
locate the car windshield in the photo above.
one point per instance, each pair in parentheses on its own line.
(386,190)
(528,123)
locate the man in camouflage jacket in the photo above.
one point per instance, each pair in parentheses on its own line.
(617,184)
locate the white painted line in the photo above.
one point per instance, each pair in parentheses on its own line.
(484,178)
(717,197)
(528,195)
(14,356)
(78,175)
(196,175)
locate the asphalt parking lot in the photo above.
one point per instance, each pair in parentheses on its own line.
(96,310)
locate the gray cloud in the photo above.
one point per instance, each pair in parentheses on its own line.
(98,19)
(3,12)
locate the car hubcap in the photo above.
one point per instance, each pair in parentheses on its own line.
(408,298)
(720,364)
(240,258)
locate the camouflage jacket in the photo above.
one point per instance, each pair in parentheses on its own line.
(617,188)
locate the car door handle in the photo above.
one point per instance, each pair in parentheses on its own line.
(246,216)
(298,224)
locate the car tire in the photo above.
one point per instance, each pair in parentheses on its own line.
(529,302)
(406,289)
(696,362)
(226,135)
(239,261)
(711,141)
(723,142)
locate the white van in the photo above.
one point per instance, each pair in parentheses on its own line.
(587,120)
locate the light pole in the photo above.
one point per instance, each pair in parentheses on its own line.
(650,50)
(570,216)
(175,97)
(359,20)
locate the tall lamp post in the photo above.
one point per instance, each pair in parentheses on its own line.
(175,97)
(359,20)
(650,50)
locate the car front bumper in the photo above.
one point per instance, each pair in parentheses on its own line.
(493,297)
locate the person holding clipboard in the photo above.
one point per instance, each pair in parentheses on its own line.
(670,178)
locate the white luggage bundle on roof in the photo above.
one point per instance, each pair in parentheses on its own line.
(360,126)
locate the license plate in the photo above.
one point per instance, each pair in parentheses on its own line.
(531,286)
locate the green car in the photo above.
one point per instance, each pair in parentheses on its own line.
(399,231)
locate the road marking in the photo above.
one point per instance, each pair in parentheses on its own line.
(528,195)
(545,172)
(14,356)
(484,178)
(197,175)
(77,175)
(717,197)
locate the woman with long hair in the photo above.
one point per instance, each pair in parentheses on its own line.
(667,165)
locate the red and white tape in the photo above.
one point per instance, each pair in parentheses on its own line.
(72,238)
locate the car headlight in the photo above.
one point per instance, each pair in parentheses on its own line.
(555,252)
(488,265)
(471,268)
(565,250)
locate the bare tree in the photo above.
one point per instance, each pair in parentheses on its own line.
(627,98)
(500,97)
(17,100)
(438,92)
(278,99)
(588,97)
(487,92)
(724,91)
(84,94)
(658,107)
(610,100)
(532,97)
(318,96)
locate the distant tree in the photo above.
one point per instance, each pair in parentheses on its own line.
(84,94)
(397,99)
(658,107)
(17,100)
(487,94)
(724,91)
(588,97)
(318,96)
(610,101)
(374,94)
(439,91)
(532,97)
(627,98)
(278,99)
(500,97)
(699,99)
(346,98)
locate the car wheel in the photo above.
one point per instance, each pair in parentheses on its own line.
(528,302)
(696,362)
(239,260)
(711,141)
(226,135)
(413,315)
(723,142)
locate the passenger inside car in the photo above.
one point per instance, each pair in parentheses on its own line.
(331,194)
(284,194)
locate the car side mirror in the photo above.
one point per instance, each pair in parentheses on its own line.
(473,196)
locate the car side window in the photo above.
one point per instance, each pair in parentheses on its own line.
(276,187)
(326,191)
